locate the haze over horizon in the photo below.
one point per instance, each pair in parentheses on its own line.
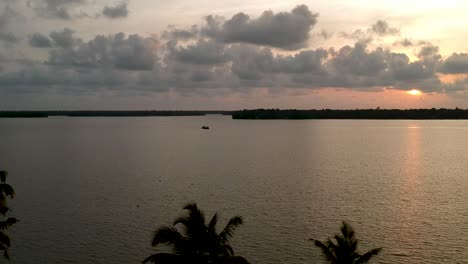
(226,55)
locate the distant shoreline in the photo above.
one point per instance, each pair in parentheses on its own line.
(265,114)
(371,114)
(89,113)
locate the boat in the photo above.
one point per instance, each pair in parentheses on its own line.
(205,127)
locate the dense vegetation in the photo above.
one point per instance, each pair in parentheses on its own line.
(194,241)
(352,114)
(22,114)
(5,191)
(29,114)
(344,250)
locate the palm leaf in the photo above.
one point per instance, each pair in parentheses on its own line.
(4,239)
(326,250)
(226,250)
(7,190)
(3,176)
(166,235)
(151,258)
(7,223)
(195,213)
(213,222)
(368,255)
(231,226)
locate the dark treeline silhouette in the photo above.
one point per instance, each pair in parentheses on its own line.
(193,241)
(344,250)
(29,114)
(377,113)
(5,191)
(196,242)
(22,114)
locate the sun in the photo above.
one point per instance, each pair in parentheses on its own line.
(414,92)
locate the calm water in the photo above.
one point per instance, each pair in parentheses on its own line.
(92,190)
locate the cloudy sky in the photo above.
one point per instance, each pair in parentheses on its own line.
(232,54)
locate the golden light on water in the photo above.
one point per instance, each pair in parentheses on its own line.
(414,92)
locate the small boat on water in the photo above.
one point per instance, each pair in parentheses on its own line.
(205,127)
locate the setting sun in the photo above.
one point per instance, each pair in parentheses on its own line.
(414,92)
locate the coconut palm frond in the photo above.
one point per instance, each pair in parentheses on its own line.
(7,223)
(166,235)
(195,213)
(231,226)
(7,190)
(368,255)
(213,222)
(4,240)
(3,175)
(344,249)
(326,250)
(192,239)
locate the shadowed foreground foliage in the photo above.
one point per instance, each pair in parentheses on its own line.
(5,191)
(344,249)
(193,241)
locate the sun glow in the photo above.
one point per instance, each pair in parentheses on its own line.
(414,92)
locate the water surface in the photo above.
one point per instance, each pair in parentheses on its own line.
(92,190)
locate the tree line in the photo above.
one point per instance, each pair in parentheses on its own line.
(377,113)
(193,240)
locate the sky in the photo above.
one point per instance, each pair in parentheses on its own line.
(228,55)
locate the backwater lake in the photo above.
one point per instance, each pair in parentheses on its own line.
(94,189)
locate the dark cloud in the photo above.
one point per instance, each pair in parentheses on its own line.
(181,34)
(202,52)
(358,35)
(64,38)
(58,9)
(404,42)
(117,11)
(39,41)
(8,37)
(457,63)
(6,15)
(325,34)
(232,55)
(428,51)
(350,67)
(115,51)
(381,28)
(285,30)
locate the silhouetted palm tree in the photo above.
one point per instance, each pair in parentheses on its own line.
(344,250)
(194,241)
(5,191)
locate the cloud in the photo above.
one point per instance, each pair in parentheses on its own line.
(381,28)
(115,51)
(117,11)
(285,30)
(8,37)
(457,63)
(202,52)
(404,42)
(39,41)
(428,50)
(57,9)
(181,34)
(227,56)
(6,16)
(64,38)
